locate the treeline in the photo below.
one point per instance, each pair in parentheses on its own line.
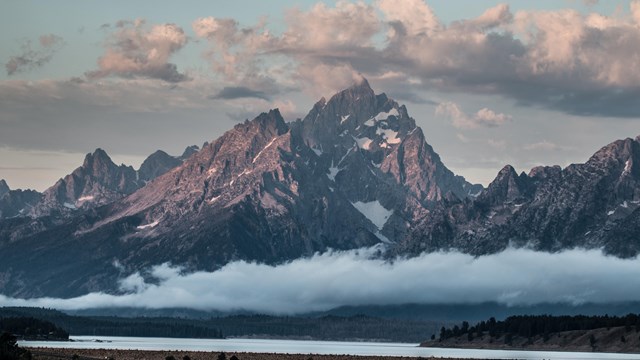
(116,326)
(330,327)
(358,327)
(32,329)
(9,349)
(540,325)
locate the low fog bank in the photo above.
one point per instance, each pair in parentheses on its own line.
(514,277)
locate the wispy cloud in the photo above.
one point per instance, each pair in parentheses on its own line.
(544,145)
(32,57)
(324,281)
(482,118)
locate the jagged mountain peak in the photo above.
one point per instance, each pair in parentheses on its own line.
(4,188)
(507,171)
(98,156)
(190,150)
(157,164)
(543,172)
(271,121)
(356,126)
(618,150)
(508,187)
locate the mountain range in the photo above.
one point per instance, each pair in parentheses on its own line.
(355,172)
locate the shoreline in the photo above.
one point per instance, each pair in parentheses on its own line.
(116,354)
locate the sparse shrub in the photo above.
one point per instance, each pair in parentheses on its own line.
(186,357)
(233,357)
(170,357)
(222,356)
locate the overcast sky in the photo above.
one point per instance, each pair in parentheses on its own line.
(519,82)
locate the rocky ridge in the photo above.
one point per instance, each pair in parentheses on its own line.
(356,171)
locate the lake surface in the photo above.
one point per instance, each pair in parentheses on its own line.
(309,347)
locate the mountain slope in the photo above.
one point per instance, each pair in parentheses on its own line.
(590,205)
(356,171)
(252,194)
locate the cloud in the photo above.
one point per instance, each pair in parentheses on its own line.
(237,92)
(459,119)
(544,145)
(233,50)
(31,58)
(578,63)
(463,138)
(316,48)
(497,144)
(325,281)
(138,50)
(414,17)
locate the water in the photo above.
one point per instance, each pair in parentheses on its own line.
(310,347)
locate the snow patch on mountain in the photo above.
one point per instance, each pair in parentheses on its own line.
(374,211)
(333,171)
(363,143)
(263,149)
(70,206)
(148,226)
(390,136)
(627,167)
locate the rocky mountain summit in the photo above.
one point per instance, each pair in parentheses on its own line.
(356,171)
(16,202)
(98,181)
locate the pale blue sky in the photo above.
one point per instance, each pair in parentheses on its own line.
(47,124)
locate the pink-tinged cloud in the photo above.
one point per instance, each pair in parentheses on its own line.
(138,50)
(482,118)
(562,59)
